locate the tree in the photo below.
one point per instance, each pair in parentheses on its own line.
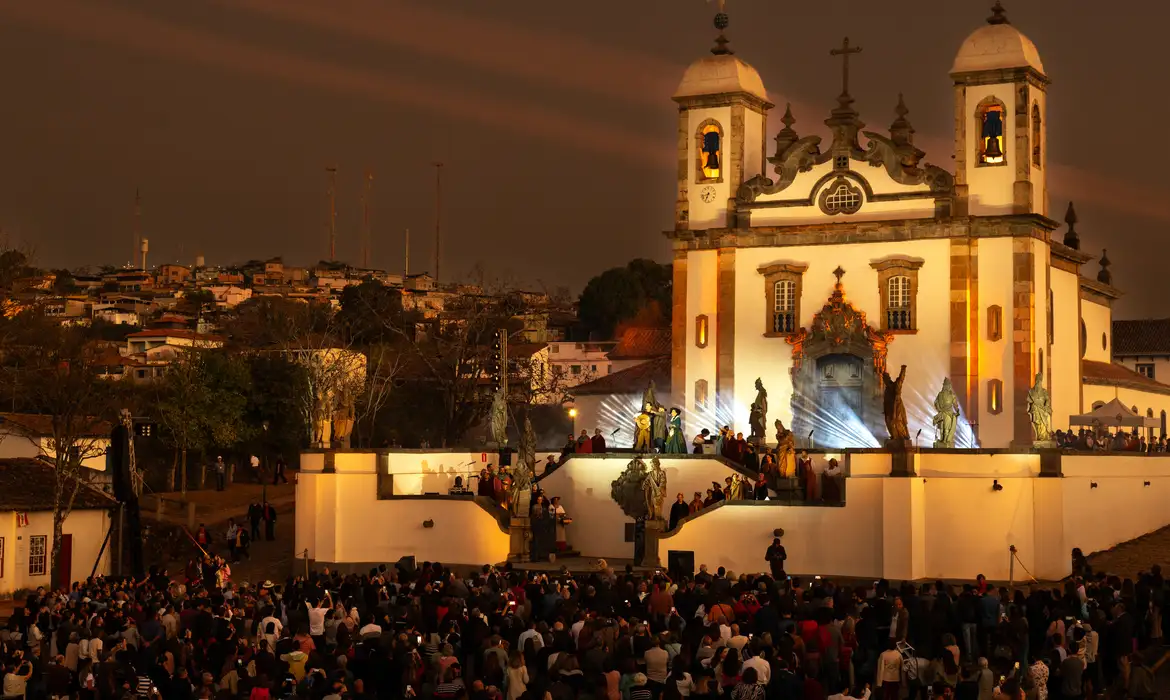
(200,403)
(622,293)
(368,310)
(49,370)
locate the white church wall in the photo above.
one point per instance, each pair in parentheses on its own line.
(977,464)
(1121,507)
(803,187)
(1040,268)
(1098,320)
(838,541)
(702,298)
(713,214)
(599,524)
(990,188)
(1161,366)
(995,357)
(609,412)
(754,127)
(418,472)
(926,352)
(350,525)
(969,526)
(1066,347)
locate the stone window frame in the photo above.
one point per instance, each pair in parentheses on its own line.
(995,323)
(832,202)
(1037,133)
(700,178)
(702,397)
(702,331)
(897,267)
(995,396)
(981,109)
(781,272)
(1149,368)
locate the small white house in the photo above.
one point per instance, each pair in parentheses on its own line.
(26,529)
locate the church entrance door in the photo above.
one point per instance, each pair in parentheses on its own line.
(839,396)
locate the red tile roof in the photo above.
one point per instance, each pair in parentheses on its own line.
(1109,374)
(642,344)
(632,380)
(27,484)
(1146,336)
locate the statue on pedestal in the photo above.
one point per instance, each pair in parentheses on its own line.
(947,417)
(1040,412)
(758,417)
(894,409)
(499,418)
(785,451)
(627,490)
(322,426)
(654,488)
(522,473)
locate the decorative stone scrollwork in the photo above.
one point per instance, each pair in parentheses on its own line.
(901,162)
(840,197)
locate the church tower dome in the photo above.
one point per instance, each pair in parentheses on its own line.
(1001,104)
(997,46)
(723,121)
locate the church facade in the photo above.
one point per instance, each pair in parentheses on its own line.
(822,261)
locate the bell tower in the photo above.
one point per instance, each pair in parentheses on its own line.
(723,116)
(1001,145)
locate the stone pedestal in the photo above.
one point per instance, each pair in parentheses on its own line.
(651,535)
(901,458)
(520,532)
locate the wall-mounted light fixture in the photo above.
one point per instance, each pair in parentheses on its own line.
(1145,483)
(701,328)
(428,523)
(996,486)
(1092,484)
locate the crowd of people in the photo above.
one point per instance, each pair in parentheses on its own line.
(1103,441)
(504,634)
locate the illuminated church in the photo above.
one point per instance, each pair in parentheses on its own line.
(820,258)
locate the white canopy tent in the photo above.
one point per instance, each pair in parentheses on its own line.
(1114,415)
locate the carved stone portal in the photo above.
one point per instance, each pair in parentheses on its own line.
(837,365)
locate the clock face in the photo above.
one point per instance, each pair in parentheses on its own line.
(707,194)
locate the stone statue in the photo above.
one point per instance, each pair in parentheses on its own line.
(947,417)
(785,451)
(894,409)
(520,490)
(758,418)
(1040,412)
(642,423)
(499,418)
(627,490)
(654,488)
(343,419)
(528,445)
(322,426)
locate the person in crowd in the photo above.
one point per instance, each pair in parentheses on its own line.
(584,444)
(678,510)
(598,441)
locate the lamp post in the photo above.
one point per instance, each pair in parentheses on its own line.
(573,415)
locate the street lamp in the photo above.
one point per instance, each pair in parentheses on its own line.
(573,415)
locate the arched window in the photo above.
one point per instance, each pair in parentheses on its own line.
(1036,133)
(991,131)
(1162,429)
(898,316)
(709,147)
(784,307)
(1051,318)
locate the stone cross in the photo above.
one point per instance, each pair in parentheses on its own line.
(844,52)
(839,273)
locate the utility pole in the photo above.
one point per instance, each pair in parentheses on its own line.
(406,267)
(137,227)
(332,196)
(438,218)
(366,220)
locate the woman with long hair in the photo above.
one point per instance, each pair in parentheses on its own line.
(517,675)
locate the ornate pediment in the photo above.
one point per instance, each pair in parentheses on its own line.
(840,327)
(901,161)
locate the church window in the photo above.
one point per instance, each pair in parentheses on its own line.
(990,126)
(1051,316)
(1084,338)
(1036,133)
(1162,429)
(841,162)
(709,147)
(840,197)
(1098,404)
(995,396)
(898,286)
(1104,341)
(782,285)
(701,395)
(1040,361)
(702,326)
(1146,369)
(995,322)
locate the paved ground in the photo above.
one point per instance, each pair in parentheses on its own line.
(1128,558)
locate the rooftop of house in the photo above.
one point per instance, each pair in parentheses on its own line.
(632,380)
(27,485)
(642,344)
(1110,374)
(1146,336)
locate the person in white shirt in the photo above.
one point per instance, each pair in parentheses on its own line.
(864,695)
(270,629)
(317,619)
(889,672)
(763,669)
(656,659)
(530,633)
(736,641)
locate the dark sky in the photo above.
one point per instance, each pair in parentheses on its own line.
(554,120)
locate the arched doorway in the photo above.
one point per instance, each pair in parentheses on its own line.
(836,378)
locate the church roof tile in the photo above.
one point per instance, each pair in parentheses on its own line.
(642,344)
(1110,374)
(1146,336)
